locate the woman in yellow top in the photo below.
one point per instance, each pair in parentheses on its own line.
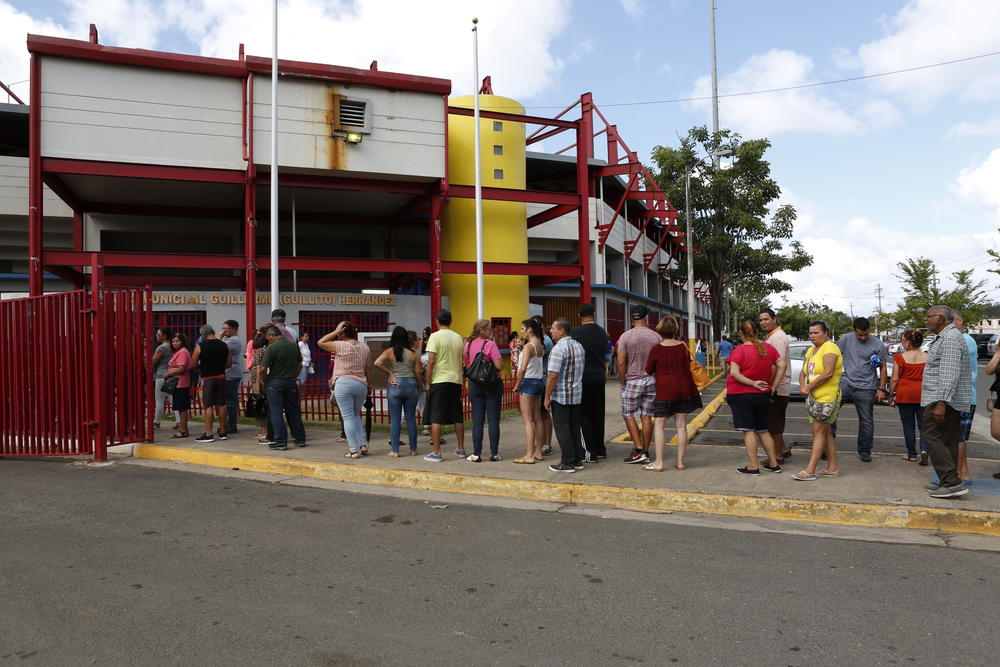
(819,380)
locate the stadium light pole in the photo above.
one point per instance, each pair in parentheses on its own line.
(274,161)
(479,168)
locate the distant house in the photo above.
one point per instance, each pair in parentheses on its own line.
(990,324)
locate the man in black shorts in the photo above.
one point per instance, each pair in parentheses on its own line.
(778,339)
(212,357)
(444,386)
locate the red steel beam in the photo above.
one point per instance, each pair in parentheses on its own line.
(515,118)
(550,214)
(584,149)
(527,196)
(62,191)
(346,183)
(512,269)
(131,170)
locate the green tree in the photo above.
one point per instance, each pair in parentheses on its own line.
(741,239)
(921,289)
(995,254)
(795,318)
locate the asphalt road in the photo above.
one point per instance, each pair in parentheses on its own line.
(888,429)
(131,565)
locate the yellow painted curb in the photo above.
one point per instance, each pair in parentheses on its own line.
(920,518)
(703,417)
(625,438)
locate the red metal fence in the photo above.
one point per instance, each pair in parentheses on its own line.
(73,372)
(317,406)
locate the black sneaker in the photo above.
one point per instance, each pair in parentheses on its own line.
(866,457)
(205,437)
(950,491)
(278,448)
(300,444)
(559,467)
(578,465)
(923,461)
(747,471)
(265,441)
(494,457)
(546,450)
(772,469)
(231,430)
(637,456)
(221,436)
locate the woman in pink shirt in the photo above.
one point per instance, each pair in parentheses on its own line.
(755,368)
(485,399)
(349,382)
(180,400)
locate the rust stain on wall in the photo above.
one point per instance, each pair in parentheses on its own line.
(337,148)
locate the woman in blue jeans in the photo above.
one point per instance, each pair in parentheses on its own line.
(402,365)
(485,400)
(349,382)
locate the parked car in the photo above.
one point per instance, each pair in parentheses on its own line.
(894,347)
(991,347)
(928,339)
(796,357)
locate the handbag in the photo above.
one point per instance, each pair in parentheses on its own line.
(481,370)
(698,372)
(169,384)
(256,406)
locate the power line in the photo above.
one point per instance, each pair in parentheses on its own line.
(796,87)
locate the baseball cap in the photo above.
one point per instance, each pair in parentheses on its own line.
(639,312)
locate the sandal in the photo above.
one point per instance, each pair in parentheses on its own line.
(521,459)
(394,455)
(413,452)
(364,450)
(651,467)
(180,434)
(352,455)
(804,476)
(912,458)
(827,473)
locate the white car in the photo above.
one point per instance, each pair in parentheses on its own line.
(991,347)
(796,357)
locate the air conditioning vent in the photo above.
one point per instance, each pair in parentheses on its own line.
(354,114)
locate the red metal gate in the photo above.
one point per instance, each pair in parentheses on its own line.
(74,372)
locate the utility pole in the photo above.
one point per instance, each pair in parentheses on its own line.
(852,309)
(934,280)
(715,81)
(878,313)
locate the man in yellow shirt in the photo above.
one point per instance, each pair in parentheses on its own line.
(444,385)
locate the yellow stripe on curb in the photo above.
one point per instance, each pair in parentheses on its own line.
(885,516)
(625,438)
(703,417)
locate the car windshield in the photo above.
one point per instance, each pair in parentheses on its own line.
(797,351)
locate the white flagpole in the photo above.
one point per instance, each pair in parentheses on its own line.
(274,163)
(479,177)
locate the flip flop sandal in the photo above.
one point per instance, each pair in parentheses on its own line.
(649,467)
(352,455)
(827,473)
(521,459)
(803,476)
(180,434)
(364,451)
(394,455)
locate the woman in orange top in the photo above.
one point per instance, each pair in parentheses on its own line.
(907,378)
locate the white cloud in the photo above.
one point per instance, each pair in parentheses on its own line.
(770,113)
(987,128)
(633,8)
(981,185)
(930,31)
(402,35)
(879,113)
(870,253)
(14,28)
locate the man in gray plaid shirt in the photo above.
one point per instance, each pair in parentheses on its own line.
(564,394)
(946,393)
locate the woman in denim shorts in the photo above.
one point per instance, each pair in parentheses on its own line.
(530,385)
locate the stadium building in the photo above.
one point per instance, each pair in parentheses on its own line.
(134,167)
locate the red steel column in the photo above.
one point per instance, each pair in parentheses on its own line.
(35,234)
(99,384)
(584,146)
(437,203)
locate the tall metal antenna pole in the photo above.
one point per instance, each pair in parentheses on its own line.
(715,81)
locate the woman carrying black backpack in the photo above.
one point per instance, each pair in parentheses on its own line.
(482,362)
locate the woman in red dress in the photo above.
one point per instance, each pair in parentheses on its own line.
(676,392)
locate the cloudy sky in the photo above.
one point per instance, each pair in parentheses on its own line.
(879,169)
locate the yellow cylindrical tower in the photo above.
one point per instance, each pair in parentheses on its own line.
(505,230)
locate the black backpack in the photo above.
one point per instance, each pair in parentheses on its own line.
(482,371)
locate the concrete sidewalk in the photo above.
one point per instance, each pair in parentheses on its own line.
(887,492)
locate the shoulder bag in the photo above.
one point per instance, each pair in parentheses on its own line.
(481,370)
(698,371)
(169,384)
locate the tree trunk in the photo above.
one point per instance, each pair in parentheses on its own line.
(718,305)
